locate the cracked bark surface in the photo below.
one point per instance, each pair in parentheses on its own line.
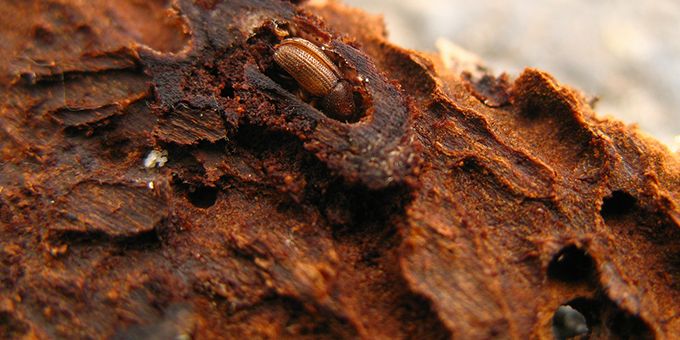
(461,205)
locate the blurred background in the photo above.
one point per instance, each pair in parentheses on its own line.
(625,52)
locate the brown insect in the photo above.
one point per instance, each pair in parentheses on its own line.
(316,74)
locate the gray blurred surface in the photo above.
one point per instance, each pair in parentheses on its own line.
(625,52)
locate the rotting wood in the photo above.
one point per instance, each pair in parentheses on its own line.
(459,205)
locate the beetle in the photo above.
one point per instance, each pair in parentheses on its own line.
(317,74)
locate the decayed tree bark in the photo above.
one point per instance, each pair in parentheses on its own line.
(458,204)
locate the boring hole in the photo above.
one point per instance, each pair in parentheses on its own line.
(571,264)
(569,321)
(202,196)
(227,91)
(603,318)
(618,204)
(590,309)
(627,326)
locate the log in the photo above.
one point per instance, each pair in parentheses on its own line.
(163,177)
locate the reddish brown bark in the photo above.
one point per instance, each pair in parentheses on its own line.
(460,205)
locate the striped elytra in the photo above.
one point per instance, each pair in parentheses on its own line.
(308,64)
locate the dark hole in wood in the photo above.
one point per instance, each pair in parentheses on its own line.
(569,321)
(571,264)
(591,309)
(607,320)
(618,204)
(227,91)
(627,326)
(202,196)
